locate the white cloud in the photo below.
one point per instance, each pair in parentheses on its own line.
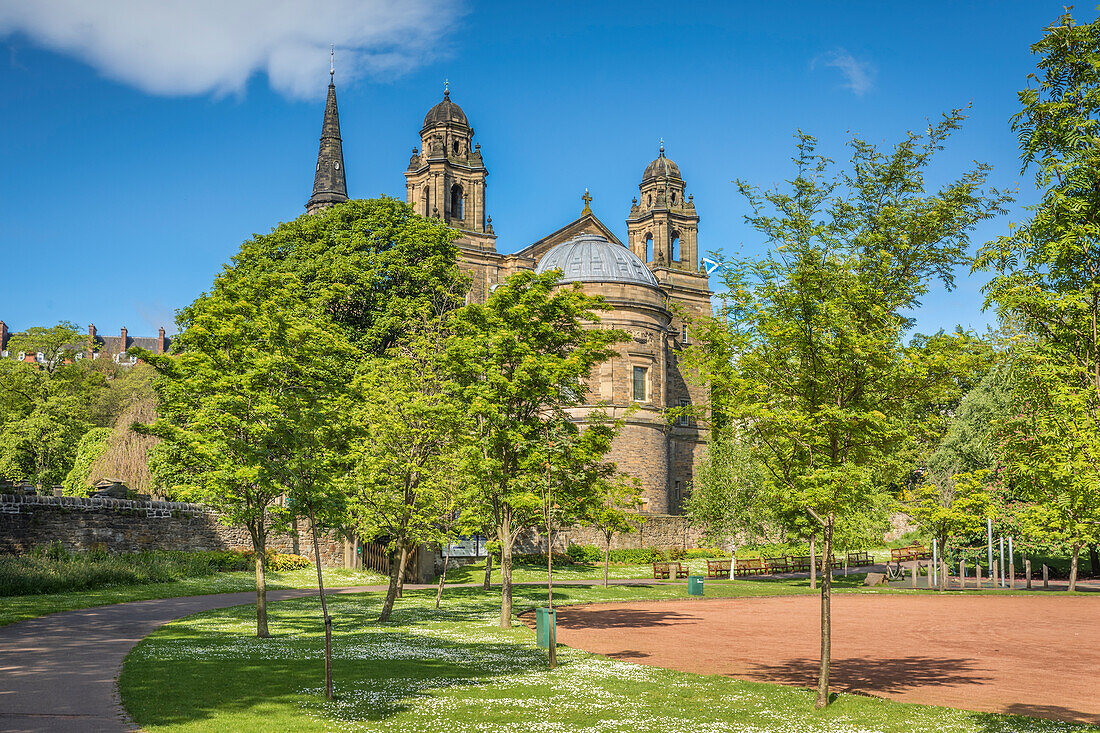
(175,47)
(859,76)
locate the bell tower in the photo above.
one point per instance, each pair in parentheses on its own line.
(446,176)
(663,228)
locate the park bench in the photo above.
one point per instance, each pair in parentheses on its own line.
(681,570)
(777,564)
(661,570)
(857,559)
(718,568)
(800,564)
(908,554)
(750,566)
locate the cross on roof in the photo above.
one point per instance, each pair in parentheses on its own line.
(587,199)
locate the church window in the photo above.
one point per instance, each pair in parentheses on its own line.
(456,202)
(427,200)
(640,374)
(676,246)
(454,147)
(684,419)
(649,248)
(649,201)
(674,197)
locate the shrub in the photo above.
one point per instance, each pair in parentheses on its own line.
(696,553)
(584,553)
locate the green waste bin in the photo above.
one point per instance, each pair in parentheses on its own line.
(695,585)
(545,621)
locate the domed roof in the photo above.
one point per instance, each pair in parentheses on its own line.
(445,111)
(589,258)
(661,168)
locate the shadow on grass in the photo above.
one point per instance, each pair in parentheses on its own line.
(1052,712)
(869,675)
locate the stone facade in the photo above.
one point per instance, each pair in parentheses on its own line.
(662,531)
(446,179)
(123,525)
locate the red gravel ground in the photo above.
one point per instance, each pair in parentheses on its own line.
(1028,655)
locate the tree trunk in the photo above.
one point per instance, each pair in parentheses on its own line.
(259,547)
(443,575)
(826,613)
(397,562)
(606,558)
(1094,561)
(1073,566)
(504,534)
(813,562)
(488,568)
(324,606)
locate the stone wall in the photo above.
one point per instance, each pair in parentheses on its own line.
(658,530)
(123,525)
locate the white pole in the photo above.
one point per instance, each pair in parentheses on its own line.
(1002,561)
(934,558)
(1011,561)
(989,539)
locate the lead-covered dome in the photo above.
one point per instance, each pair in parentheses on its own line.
(445,111)
(662,167)
(590,258)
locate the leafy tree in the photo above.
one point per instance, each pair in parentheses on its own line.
(825,387)
(949,505)
(522,359)
(58,344)
(1047,285)
(412,432)
(728,499)
(616,512)
(91,446)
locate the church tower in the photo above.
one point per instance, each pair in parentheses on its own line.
(446,176)
(662,228)
(330,187)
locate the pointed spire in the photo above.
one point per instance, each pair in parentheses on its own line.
(329,184)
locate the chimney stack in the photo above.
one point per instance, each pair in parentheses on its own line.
(125,343)
(91,340)
(160,341)
(3,335)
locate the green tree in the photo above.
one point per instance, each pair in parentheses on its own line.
(826,388)
(522,359)
(58,344)
(91,446)
(1047,285)
(615,513)
(948,505)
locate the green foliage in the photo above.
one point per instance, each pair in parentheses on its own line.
(57,344)
(584,553)
(1046,287)
(825,391)
(947,506)
(728,500)
(91,446)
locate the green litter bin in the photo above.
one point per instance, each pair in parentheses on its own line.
(545,621)
(695,585)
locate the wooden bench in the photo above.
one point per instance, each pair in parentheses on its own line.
(750,566)
(908,554)
(777,564)
(718,568)
(681,570)
(800,564)
(858,559)
(661,570)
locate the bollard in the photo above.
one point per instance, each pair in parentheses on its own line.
(962,573)
(1027,573)
(977,575)
(916,567)
(1046,577)
(943,576)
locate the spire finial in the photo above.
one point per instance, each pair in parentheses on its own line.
(587,199)
(662,147)
(446,89)
(332,64)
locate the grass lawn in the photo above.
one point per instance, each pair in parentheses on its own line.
(454,671)
(19,608)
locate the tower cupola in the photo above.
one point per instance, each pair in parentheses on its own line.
(662,227)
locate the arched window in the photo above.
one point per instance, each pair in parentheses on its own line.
(676,246)
(427,200)
(456,202)
(649,248)
(454,147)
(674,197)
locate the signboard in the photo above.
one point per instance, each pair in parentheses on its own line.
(468,547)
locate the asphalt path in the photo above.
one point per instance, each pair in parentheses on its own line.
(59,672)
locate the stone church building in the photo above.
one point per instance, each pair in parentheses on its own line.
(652,281)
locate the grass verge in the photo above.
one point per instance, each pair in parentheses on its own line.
(454,670)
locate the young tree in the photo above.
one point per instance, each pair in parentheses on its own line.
(616,512)
(728,499)
(949,505)
(411,436)
(825,385)
(1047,284)
(522,358)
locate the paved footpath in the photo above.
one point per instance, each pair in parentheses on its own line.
(58,672)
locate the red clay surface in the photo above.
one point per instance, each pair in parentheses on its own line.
(1037,656)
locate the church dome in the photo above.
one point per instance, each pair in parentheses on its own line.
(589,258)
(661,168)
(444,112)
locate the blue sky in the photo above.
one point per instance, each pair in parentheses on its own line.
(142,145)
